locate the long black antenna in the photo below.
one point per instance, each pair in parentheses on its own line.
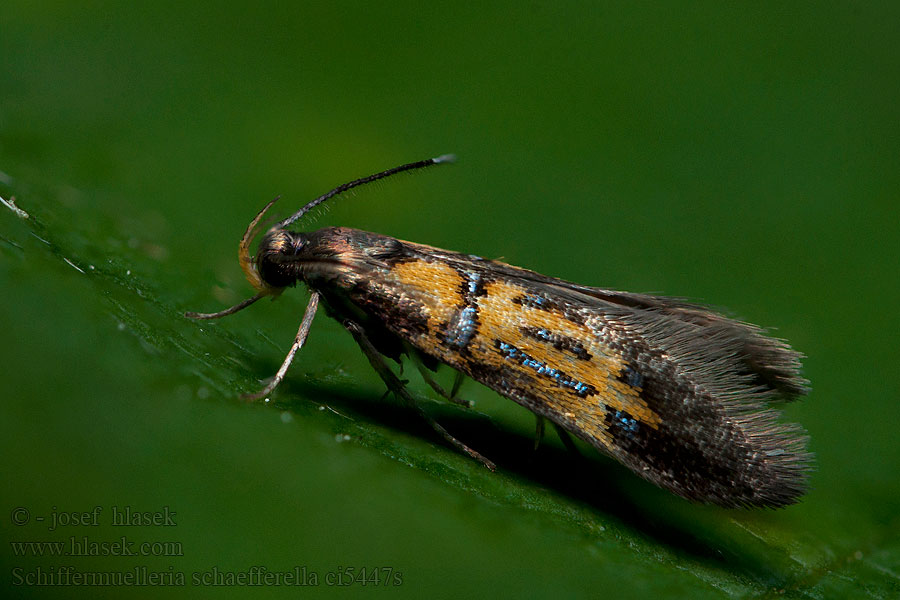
(446,158)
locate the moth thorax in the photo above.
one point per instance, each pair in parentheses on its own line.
(276,259)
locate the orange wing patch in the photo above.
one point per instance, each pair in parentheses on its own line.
(436,285)
(500,337)
(501,318)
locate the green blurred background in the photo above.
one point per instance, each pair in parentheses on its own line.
(744,157)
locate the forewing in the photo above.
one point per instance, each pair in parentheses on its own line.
(674,390)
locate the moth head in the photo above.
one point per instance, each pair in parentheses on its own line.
(275,265)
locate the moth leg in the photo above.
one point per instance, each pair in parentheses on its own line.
(302,333)
(564,436)
(566,439)
(539,431)
(458,378)
(395,385)
(423,370)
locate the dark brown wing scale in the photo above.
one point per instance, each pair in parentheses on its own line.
(673,390)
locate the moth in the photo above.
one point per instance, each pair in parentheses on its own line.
(675,391)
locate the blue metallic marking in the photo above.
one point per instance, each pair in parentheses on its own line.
(473,283)
(510,352)
(563,343)
(535,300)
(631,377)
(462,327)
(544,334)
(626,423)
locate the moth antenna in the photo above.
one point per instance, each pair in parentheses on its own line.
(249,269)
(421,164)
(228,311)
(247,264)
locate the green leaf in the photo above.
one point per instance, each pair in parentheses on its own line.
(746,157)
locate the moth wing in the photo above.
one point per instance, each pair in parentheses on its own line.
(675,391)
(770,361)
